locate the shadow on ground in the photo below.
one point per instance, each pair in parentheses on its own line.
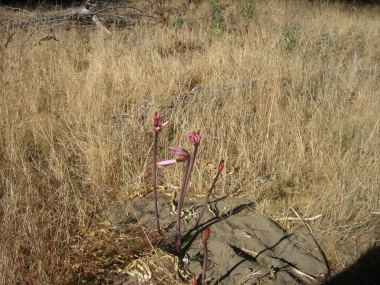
(365,271)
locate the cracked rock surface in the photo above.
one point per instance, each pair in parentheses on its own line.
(244,247)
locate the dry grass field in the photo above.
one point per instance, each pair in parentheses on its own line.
(300,128)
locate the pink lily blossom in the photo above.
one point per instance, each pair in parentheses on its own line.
(179,151)
(183,155)
(165,163)
(158,122)
(194,137)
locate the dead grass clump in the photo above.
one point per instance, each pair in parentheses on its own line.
(101,254)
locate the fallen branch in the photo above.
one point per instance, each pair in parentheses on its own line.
(124,7)
(83,14)
(85,11)
(99,24)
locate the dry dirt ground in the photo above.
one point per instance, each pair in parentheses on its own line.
(245,247)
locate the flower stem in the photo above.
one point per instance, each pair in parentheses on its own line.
(204,263)
(177,243)
(154,171)
(189,171)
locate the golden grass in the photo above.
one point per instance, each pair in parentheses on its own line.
(76,134)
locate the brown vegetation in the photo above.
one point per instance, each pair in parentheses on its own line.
(76,134)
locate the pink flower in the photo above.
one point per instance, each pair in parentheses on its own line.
(179,151)
(183,155)
(194,137)
(158,121)
(166,163)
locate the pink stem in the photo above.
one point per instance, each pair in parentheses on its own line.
(154,171)
(189,172)
(177,243)
(204,263)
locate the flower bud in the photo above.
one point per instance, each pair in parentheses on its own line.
(221,166)
(206,235)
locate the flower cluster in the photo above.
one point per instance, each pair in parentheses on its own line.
(194,137)
(158,122)
(182,156)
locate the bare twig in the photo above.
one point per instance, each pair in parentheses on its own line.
(9,39)
(305,274)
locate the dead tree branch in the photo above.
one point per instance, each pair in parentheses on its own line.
(121,15)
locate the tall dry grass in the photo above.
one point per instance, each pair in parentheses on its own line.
(75,126)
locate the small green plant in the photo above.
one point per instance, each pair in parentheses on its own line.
(325,38)
(197,45)
(214,5)
(179,22)
(361,44)
(217,22)
(291,34)
(217,25)
(246,11)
